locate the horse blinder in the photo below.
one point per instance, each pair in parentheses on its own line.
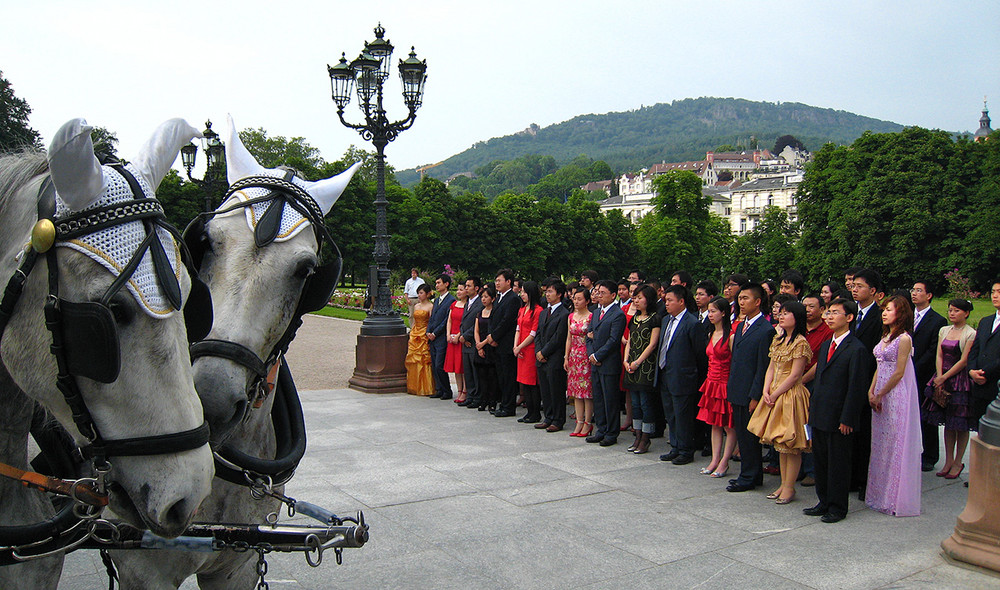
(90,341)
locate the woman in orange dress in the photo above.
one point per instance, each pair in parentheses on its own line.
(419,380)
(453,355)
(524,351)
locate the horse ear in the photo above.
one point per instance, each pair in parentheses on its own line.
(326,192)
(240,163)
(160,150)
(74,168)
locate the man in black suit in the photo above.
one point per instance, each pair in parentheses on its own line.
(682,366)
(866,327)
(984,358)
(751,342)
(503,320)
(926,324)
(604,352)
(550,348)
(839,393)
(467,338)
(437,334)
(730,291)
(704,293)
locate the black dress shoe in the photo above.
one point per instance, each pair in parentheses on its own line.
(682,459)
(817,510)
(594,438)
(732,481)
(927,467)
(531,419)
(542,425)
(670,456)
(607,442)
(522,419)
(503,414)
(739,487)
(829,518)
(861,496)
(445,396)
(462,404)
(434,396)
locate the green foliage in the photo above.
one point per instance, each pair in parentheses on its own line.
(105,143)
(675,234)
(15,133)
(181,199)
(767,250)
(272,152)
(672,132)
(784,141)
(910,204)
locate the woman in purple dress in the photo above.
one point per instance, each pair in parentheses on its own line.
(894,469)
(952,386)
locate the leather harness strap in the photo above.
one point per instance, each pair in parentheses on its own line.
(82,491)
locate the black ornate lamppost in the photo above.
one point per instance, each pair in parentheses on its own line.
(215,152)
(369,71)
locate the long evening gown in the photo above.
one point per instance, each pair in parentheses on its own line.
(453,356)
(419,380)
(894,468)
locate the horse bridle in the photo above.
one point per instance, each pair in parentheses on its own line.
(84,334)
(231,464)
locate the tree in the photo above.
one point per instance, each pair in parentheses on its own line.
(787,140)
(181,199)
(15,133)
(105,143)
(767,250)
(272,152)
(674,235)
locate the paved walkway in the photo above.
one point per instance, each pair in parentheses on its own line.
(459,499)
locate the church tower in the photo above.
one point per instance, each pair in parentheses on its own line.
(984,125)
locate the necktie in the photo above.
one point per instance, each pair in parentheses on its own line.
(861,316)
(833,347)
(602,314)
(746,323)
(663,347)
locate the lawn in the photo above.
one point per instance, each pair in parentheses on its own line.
(349,314)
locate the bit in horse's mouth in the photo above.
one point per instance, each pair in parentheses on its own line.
(124,507)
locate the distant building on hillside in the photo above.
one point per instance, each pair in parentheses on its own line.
(984,125)
(741,165)
(750,200)
(599,185)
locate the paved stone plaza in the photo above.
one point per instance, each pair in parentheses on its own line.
(459,499)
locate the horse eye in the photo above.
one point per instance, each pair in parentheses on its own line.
(122,312)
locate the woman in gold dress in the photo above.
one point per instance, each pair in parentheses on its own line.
(419,380)
(781,416)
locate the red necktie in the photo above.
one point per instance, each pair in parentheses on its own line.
(602,315)
(833,347)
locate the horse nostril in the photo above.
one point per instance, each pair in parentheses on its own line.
(176,518)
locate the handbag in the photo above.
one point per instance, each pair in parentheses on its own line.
(937,395)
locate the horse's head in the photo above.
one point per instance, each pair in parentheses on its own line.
(115,278)
(260,255)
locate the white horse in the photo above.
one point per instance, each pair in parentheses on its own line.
(132,373)
(262,277)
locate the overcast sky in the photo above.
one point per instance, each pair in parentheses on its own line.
(493,67)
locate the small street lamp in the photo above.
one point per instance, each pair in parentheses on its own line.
(369,72)
(215,152)
(377,368)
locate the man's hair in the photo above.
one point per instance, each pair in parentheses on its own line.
(928,286)
(478,282)
(444,279)
(850,308)
(815,296)
(655,284)
(853,271)
(871,277)
(558,285)
(708,285)
(518,282)
(795,278)
(624,283)
(684,276)
(738,278)
(590,274)
(758,292)
(506,273)
(416,270)
(679,291)
(607,284)
(641,275)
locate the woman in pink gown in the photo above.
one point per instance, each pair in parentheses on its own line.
(578,384)
(894,469)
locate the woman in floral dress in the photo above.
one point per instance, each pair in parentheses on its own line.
(578,385)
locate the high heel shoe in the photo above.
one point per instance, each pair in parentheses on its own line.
(590,428)
(576,431)
(774,495)
(955,475)
(943,472)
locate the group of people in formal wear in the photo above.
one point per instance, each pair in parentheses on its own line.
(845,387)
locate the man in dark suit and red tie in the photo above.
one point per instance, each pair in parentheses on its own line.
(867,327)
(838,395)
(437,333)
(503,320)
(604,352)
(550,347)
(751,343)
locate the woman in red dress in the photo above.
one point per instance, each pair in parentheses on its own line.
(524,350)
(715,409)
(453,354)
